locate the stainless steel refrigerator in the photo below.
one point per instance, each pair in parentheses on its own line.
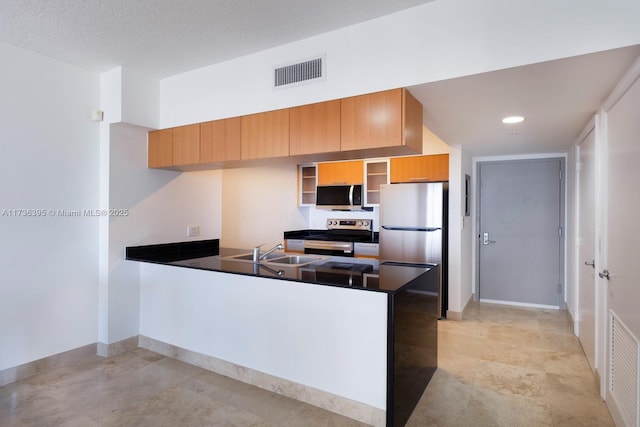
(413,229)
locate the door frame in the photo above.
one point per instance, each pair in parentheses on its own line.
(597,124)
(592,127)
(475,267)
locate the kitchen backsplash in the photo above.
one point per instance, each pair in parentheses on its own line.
(317,218)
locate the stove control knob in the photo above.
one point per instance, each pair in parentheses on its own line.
(365,223)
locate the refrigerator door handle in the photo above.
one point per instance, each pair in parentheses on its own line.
(399,228)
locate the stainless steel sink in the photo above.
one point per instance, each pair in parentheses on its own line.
(249,257)
(243,257)
(296,260)
(279,258)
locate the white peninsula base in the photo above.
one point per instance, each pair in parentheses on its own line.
(323,345)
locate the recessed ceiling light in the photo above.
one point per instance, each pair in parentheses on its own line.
(512,119)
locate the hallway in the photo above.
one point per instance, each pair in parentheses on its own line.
(501,366)
(510,366)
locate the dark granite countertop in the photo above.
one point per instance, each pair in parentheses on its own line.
(356,273)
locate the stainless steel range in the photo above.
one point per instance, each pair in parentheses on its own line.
(340,237)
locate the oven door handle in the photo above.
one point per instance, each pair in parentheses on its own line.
(319,244)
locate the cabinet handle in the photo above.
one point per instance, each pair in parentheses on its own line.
(419,179)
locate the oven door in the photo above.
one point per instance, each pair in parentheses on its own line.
(321,247)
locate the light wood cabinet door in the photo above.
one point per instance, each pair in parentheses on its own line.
(186,145)
(220,140)
(336,173)
(420,168)
(314,128)
(412,122)
(160,148)
(371,121)
(385,119)
(265,135)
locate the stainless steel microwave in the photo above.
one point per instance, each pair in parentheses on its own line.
(339,197)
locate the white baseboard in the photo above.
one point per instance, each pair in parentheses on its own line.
(520,304)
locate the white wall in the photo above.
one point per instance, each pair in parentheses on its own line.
(571,236)
(432,144)
(49,149)
(435,41)
(455,219)
(140,99)
(277,327)
(460,234)
(160,204)
(258,204)
(467,239)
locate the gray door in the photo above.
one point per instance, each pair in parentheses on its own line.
(520,214)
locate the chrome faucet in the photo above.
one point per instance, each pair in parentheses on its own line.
(279,246)
(257,257)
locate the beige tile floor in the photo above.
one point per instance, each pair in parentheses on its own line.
(501,366)
(507,366)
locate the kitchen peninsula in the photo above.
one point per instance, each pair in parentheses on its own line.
(364,348)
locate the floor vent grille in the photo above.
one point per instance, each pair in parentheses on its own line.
(624,380)
(299,73)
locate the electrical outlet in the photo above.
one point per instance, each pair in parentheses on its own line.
(193,230)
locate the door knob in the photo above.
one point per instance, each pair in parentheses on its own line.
(604,274)
(592,263)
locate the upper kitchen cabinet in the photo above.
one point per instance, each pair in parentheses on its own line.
(160,148)
(314,128)
(177,146)
(186,145)
(220,140)
(382,120)
(265,135)
(337,173)
(420,168)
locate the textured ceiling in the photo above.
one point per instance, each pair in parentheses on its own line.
(167,37)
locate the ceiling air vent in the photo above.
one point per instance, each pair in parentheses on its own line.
(299,73)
